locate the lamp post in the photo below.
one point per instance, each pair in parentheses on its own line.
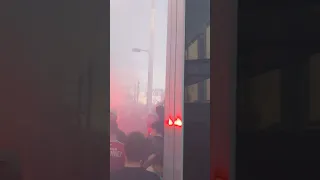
(150,75)
(150,53)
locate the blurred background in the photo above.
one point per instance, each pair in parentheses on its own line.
(138,33)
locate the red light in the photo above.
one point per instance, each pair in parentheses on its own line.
(170,122)
(178,122)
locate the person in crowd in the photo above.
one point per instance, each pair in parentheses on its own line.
(117,152)
(151,118)
(113,116)
(157,166)
(121,136)
(135,148)
(156,145)
(160,112)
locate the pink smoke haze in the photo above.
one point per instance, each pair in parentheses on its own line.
(116,96)
(130,115)
(122,81)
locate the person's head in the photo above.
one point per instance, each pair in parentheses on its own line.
(157,128)
(113,116)
(135,147)
(160,112)
(113,127)
(152,117)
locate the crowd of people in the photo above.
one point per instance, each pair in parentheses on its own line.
(136,156)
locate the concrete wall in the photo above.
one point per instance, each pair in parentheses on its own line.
(45,46)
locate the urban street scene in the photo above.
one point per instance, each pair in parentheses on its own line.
(159,89)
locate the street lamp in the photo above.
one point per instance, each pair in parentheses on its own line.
(150,53)
(139,50)
(150,74)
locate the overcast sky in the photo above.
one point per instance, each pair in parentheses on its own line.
(129,28)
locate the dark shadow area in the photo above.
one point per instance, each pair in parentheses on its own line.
(196,162)
(10,166)
(54,88)
(8,172)
(278,94)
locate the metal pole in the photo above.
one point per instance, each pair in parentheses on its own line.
(138,91)
(151,49)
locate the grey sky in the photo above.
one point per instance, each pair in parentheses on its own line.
(129,28)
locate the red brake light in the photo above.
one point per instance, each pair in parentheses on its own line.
(178,122)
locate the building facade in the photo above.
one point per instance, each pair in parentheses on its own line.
(199,48)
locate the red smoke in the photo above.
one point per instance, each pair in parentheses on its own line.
(130,115)
(121,80)
(116,93)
